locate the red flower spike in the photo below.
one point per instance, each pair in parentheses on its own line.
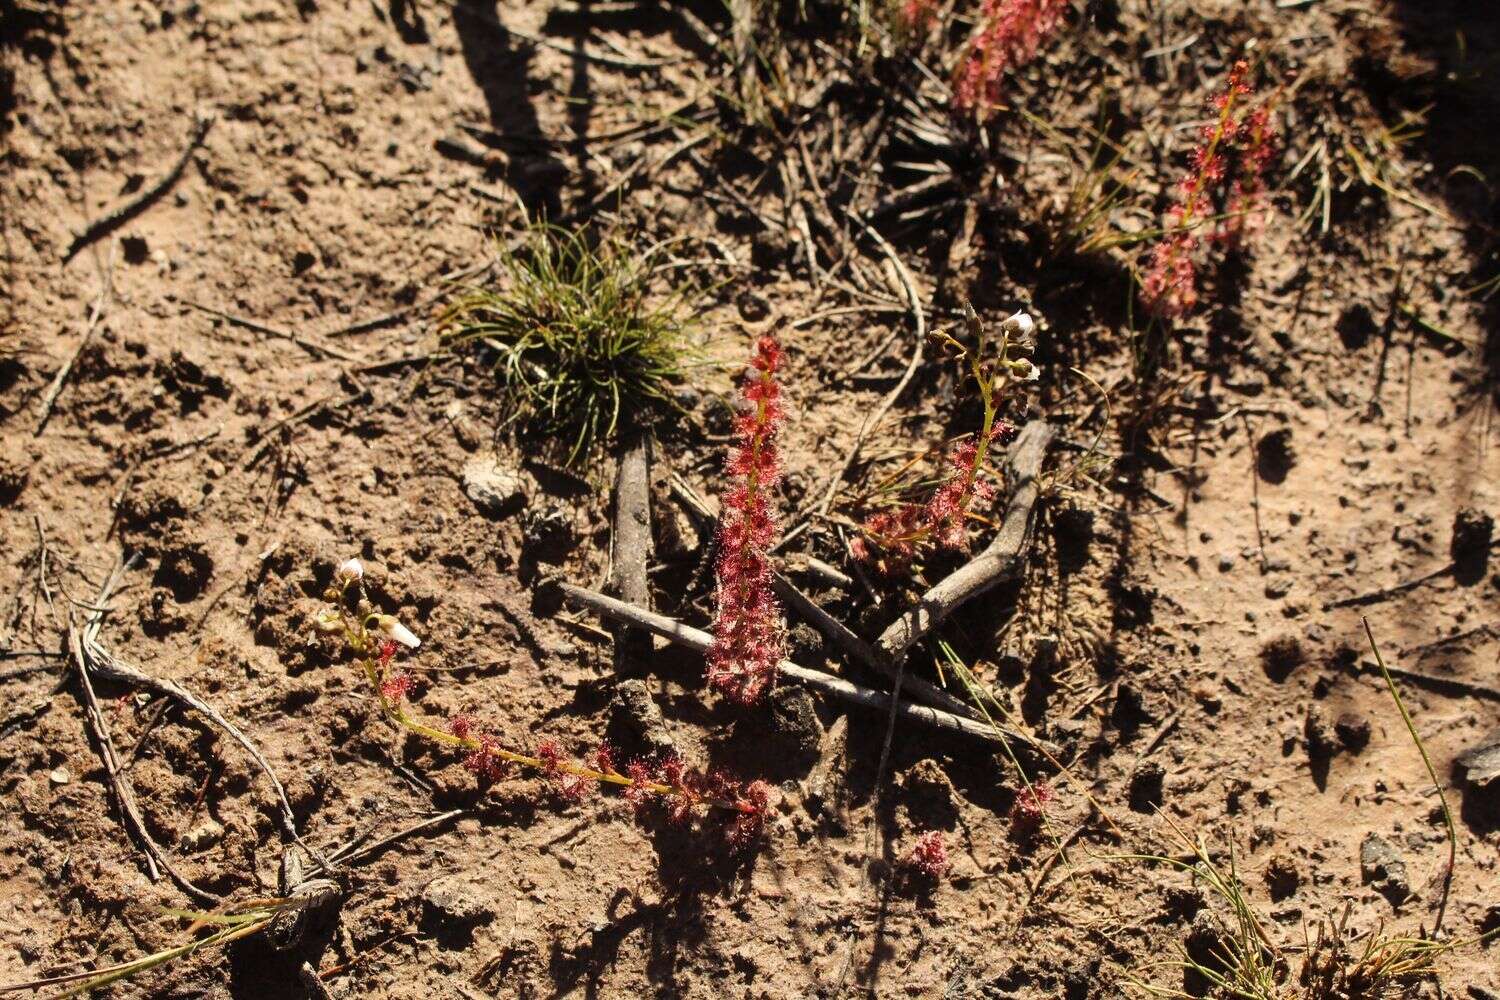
(749,641)
(1244,214)
(1169,286)
(1011,32)
(929,855)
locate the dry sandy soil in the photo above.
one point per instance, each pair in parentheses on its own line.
(1308,436)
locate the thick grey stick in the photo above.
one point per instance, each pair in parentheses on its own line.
(699,641)
(841,636)
(631,541)
(1000,561)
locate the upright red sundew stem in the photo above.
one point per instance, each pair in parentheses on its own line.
(1011,33)
(749,634)
(1244,214)
(1170,285)
(943,519)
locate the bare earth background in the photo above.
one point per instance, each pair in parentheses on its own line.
(240,466)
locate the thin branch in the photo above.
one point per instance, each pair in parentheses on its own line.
(156,858)
(832,629)
(55,389)
(98,661)
(135,206)
(327,350)
(1437,682)
(699,641)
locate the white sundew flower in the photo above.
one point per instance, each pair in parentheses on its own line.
(1020,325)
(351,570)
(389,627)
(1027,371)
(328,622)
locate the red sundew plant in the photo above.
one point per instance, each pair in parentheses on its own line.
(749,631)
(942,520)
(1010,33)
(1029,811)
(929,856)
(1245,214)
(916,15)
(1170,287)
(668,784)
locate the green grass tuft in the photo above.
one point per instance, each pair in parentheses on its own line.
(582,347)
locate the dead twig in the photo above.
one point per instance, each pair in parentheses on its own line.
(825,573)
(157,859)
(1449,685)
(872,421)
(397,315)
(862,652)
(1260,535)
(266,436)
(1157,738)
(55,389)
(832,629)
(1057,855)
(35,668)
(114,220)
(99,662)
(1423,649)
(699,641)
(325,350)
(1386,593)
(357,849)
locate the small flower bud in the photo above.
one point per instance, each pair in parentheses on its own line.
(1019,325)
(389,627)
(350,571)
